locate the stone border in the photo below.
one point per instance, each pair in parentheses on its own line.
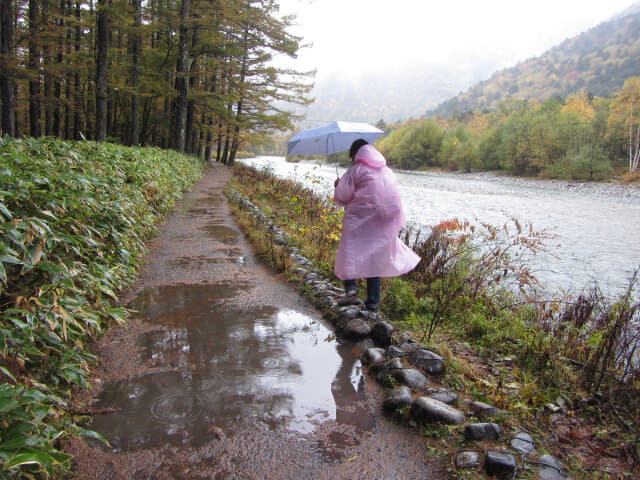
(408,369)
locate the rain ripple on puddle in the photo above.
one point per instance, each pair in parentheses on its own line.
(226,367)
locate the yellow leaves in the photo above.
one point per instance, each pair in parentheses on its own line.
(479,124)
(580,105)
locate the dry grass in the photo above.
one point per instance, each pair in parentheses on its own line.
(630,178)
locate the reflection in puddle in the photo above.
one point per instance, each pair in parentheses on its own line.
(222,233)
(226,367)
(198,206)
(217,257)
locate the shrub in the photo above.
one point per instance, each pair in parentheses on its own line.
(74,219)
(590,163)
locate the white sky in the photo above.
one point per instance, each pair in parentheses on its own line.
(372,35)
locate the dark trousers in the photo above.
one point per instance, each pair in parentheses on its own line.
(373,290)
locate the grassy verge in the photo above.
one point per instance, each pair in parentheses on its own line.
(562,369)
(74,219)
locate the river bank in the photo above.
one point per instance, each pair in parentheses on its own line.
(509,356)
(594,224)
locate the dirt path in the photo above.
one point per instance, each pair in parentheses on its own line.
(228,372)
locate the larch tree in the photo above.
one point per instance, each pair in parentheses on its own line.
(7,67)
(625,116)
(101,71)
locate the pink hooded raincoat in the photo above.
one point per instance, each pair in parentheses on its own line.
(373,217)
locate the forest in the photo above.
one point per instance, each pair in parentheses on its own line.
(195,76)
(582,137)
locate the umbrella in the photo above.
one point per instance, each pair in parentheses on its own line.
(331,138)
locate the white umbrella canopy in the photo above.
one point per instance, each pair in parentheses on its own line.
(331,138)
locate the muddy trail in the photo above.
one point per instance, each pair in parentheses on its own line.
(227,372)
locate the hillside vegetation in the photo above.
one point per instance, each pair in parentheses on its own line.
(582,137)
(597,61)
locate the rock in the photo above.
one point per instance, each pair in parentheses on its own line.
(482,410)
(444,396)
(363,344)
(385,375)
(399,397)
(280,239)
(300,271)
(393,364)
(350,300)
(310,275)
(382,333)
(427,410)
(467,460)
(550,468)
(373,356)
(411,377)
(482,432)
(523,442)
(371,316)
(395,352)
(318,288)
(356,328)
(502,465)
(326,293)
(427,361)
(345,314)
(325,303)
(409,347)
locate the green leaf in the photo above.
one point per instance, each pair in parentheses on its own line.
(8,374)
(92,434)
(34,457)
(14,443)
(7,404)
(6,213)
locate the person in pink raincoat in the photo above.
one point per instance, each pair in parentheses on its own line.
(373,216)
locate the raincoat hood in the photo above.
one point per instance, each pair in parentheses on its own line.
(368,155)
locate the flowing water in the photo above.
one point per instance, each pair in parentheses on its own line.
(597,226)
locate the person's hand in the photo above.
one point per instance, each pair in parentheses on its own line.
(335,184)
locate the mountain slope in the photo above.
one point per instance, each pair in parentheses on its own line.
(597,61)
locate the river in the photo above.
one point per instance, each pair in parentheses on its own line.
(596,226)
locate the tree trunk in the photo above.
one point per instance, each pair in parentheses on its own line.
(219,145)
(182,81)
(7,92)
(193,77)
(68,106)
(243,75)
(136,50)
(57,116)
(101,72)
(77,119)
(34,66)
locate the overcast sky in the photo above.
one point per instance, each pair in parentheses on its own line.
(372,35)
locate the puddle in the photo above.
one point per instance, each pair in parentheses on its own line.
(222,233)
(201,205)
(226,367)
(217,257)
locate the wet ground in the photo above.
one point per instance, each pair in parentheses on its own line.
(227,372)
